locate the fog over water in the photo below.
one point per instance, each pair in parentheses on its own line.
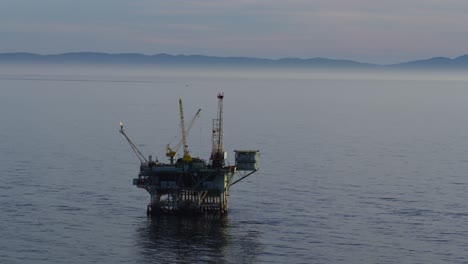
(356,167)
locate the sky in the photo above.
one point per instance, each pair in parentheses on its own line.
(377,31)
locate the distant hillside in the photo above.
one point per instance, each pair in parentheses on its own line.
(166,59)
(435,63)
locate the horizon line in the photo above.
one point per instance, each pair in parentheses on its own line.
(234,57)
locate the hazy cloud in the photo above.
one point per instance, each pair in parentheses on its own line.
(366,30)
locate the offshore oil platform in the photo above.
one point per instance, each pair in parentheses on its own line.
(190,185)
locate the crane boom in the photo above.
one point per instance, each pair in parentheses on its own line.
(171,152)
(137,152)
(189,127)
(186,156)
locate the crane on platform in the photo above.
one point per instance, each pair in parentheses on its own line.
(171,152)
(186,157)
(137,152)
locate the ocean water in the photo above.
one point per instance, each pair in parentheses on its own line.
(355,167)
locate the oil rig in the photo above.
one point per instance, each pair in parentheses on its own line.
(190,185)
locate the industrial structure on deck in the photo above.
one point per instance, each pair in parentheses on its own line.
(190,185)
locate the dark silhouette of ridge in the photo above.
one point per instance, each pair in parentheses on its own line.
(460,62)
(434,63)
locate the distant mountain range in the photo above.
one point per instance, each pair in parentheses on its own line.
(165,59)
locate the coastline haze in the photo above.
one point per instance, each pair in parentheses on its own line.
(90,58)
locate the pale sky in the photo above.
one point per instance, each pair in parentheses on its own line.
(380,31)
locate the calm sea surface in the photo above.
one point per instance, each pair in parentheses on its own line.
(355,168)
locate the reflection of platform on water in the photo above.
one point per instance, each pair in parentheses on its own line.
(173,239)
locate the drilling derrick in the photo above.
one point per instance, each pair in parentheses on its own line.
(217,153)
(190,186)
